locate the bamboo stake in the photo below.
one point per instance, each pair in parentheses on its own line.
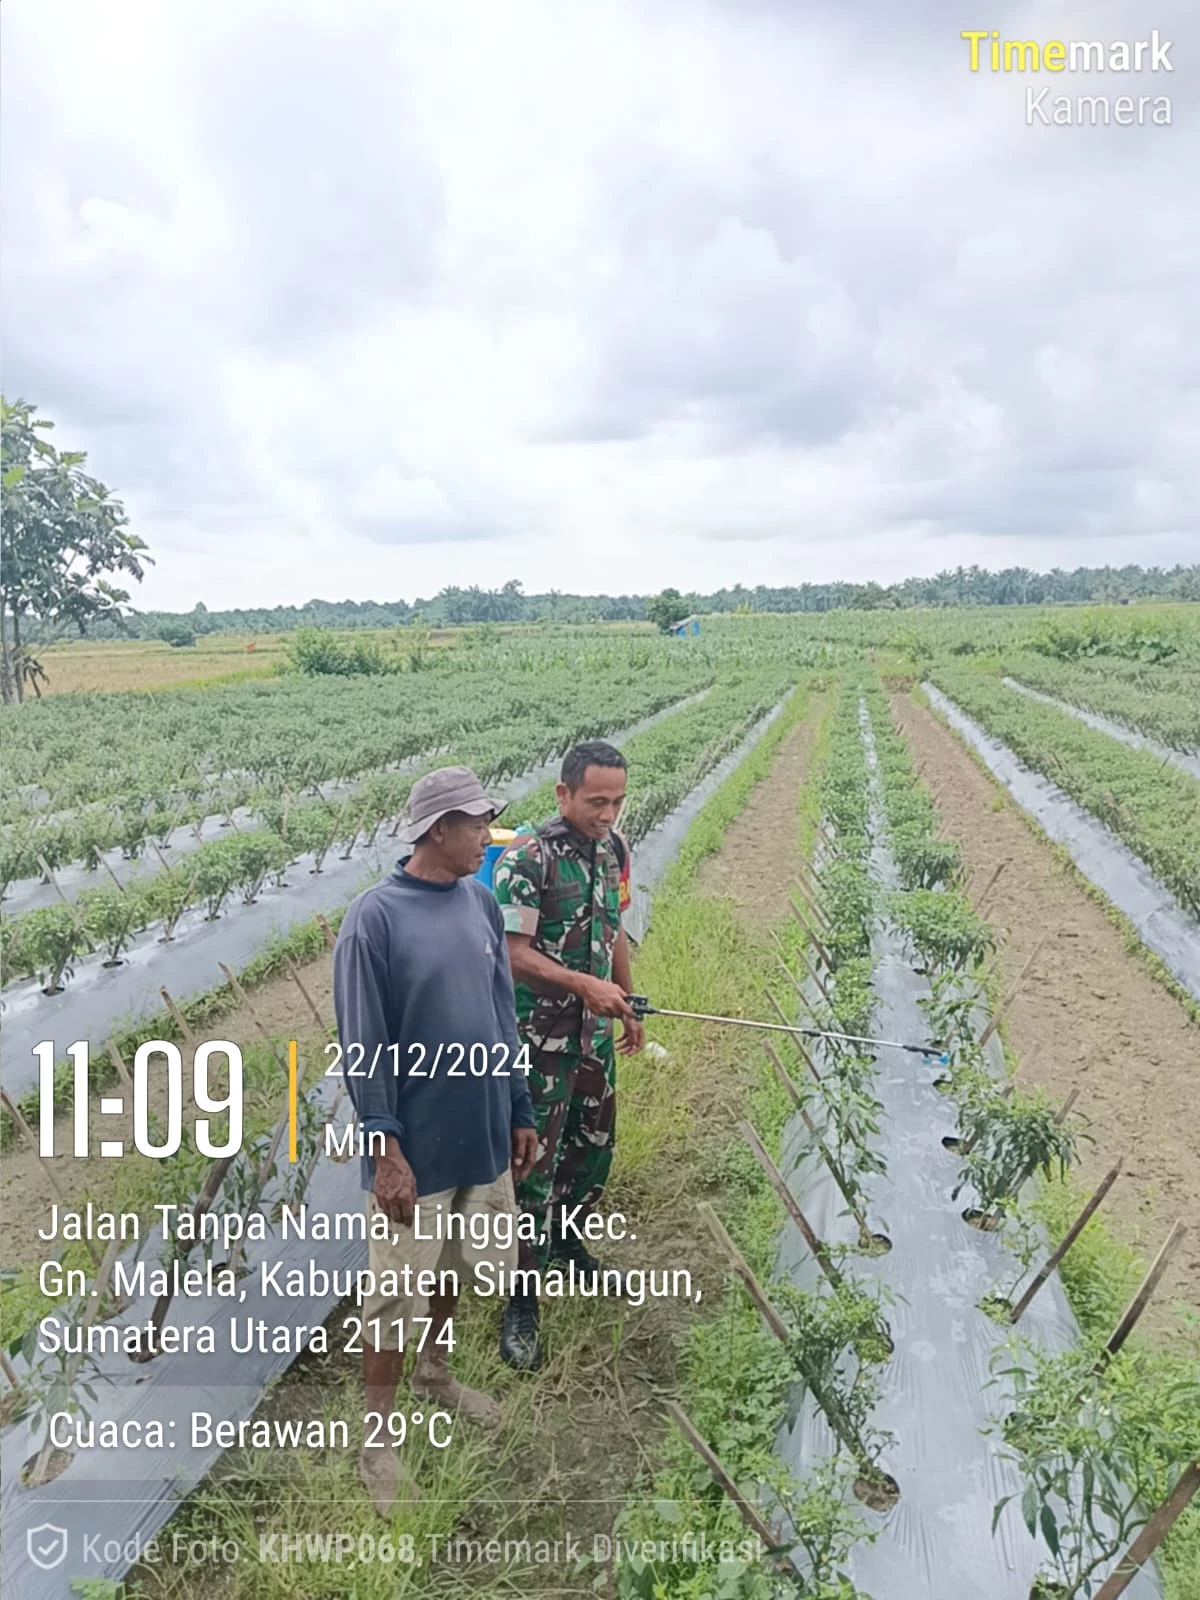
(812,934)
(789,1204)
(813,898)
(1152,1535)
(983,983)
(1012,993)
(816,978)
(782,1015)
(865,1237)
(112,875)
(166,864)
(27,1134)
(738,1261)
(1142,1298)
(778,1327)
(118,1061)
(262,1173)
(785,1078)
(213,1180)
(791,976)
(1065,1108)
(326,931)
(749,1515)
(180,1020)
(244,999)
(294,970)
(6,1367)
(1068,1239)
(70,904)
(48,875)
(813,902)
(989,886)
(811,875)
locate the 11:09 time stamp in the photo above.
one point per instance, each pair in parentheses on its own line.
(217,1089)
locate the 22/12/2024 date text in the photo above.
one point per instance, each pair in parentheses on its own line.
(448,1060)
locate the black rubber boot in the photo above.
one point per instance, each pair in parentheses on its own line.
(520,1344)
(586,1265)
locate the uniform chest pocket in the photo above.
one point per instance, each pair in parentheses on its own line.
(562,903)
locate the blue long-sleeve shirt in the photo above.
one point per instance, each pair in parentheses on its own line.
(420,975)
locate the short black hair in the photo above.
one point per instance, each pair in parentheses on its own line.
(592,753)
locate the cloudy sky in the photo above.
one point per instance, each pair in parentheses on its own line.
(355,298)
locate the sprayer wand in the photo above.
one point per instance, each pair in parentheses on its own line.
(641,1007)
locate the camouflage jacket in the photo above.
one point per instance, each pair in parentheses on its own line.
(568,893)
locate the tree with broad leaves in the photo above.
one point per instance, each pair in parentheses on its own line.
(61,534)
(666,609)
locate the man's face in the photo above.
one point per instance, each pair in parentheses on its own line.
(461,842)
(593,808)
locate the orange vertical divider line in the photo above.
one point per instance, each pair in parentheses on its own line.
(292,1113)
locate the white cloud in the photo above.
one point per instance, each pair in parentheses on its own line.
(603,296)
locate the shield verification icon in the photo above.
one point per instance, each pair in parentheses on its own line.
(47,1546)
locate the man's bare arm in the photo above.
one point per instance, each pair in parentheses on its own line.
(530,966)
(634,1035)
(622,965)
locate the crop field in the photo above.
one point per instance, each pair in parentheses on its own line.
(879,1325)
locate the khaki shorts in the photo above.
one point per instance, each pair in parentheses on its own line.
(438,1254)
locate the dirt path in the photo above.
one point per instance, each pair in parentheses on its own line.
(754,865)
(1090,1015)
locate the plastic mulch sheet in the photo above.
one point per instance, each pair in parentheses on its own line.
(1161,923)
(937,1389)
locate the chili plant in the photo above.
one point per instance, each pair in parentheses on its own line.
(925,862)
(1011,1139)
(950,1006)
(46,943)
(836,1338)
(215,871)
(1098,1451)
(850,902)
(945,932)
(112,917)
(18,858)
(168,896)
(258,854)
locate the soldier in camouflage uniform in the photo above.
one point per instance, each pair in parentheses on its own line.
(562,889)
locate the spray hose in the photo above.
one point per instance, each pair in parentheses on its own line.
(640,1005)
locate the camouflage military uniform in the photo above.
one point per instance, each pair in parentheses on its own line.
(568,893)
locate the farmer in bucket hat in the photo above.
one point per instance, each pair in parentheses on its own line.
(422,982)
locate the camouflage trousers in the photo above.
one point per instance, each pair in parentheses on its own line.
(575,1108)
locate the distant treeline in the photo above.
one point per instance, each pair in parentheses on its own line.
(454,606)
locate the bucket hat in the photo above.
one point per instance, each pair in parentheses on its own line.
(448,789)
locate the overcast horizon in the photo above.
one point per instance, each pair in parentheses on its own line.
(689,293)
